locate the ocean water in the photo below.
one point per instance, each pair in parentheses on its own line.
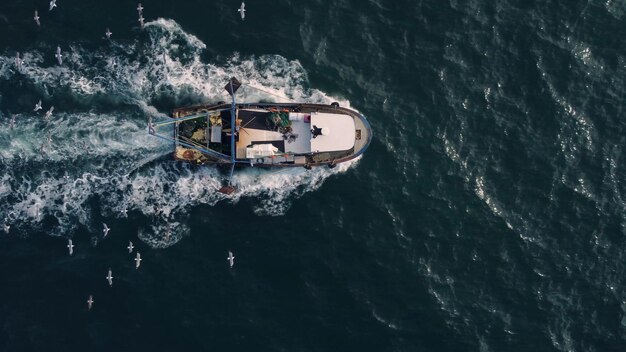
(489,213)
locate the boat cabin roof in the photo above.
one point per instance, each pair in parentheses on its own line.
(334,132)
(337,132)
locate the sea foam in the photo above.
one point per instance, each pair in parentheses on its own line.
(100,153)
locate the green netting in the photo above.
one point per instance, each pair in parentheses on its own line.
(279,119)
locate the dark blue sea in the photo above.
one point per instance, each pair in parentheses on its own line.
(488,214)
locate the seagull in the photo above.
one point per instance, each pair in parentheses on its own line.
(108,34)
(6,228)
(89,302)
(59,56)
(105,230)
(242,10)
(12,122)
(168,234)
(18,62)
(110,277)
(70,246)
(48,113)
(53,4)
(137,260)
(130,247)
(141,20)
(124,212)
(37,106)
(139,8)
(36,18)
(151,129)
(231,258)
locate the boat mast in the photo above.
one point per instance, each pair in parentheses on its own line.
(231,88)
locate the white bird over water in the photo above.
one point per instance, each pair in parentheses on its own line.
(36,18)
(242,10)
(48,113)
(105,229)
(130,247)
(70,245)
(141,19)
(124,212)
(53,4)
(37,106)
(110,277)
(108,33)
(139,8)
(231,258)
(59,56)
(137,260)
(90,302)
(168,234)
(18,62)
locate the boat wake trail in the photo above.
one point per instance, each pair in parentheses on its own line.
(93,159)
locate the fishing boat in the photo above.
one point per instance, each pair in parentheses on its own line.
(265,134)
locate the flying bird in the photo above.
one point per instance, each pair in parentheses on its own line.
(130,247)
(105,230)
(231,258)
(141,19)
(151,129)
(18,62)
(89,302)
(36,18)
(108,34)
(48,113)
(37,106)
(70,246)
(53,4)
(124,212)
(242,10)
(110,277)
(139,8)
(168,234)
(137,260)
(59,56)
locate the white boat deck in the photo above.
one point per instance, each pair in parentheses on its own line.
(302,143)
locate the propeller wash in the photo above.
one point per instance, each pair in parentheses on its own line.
(95,146)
